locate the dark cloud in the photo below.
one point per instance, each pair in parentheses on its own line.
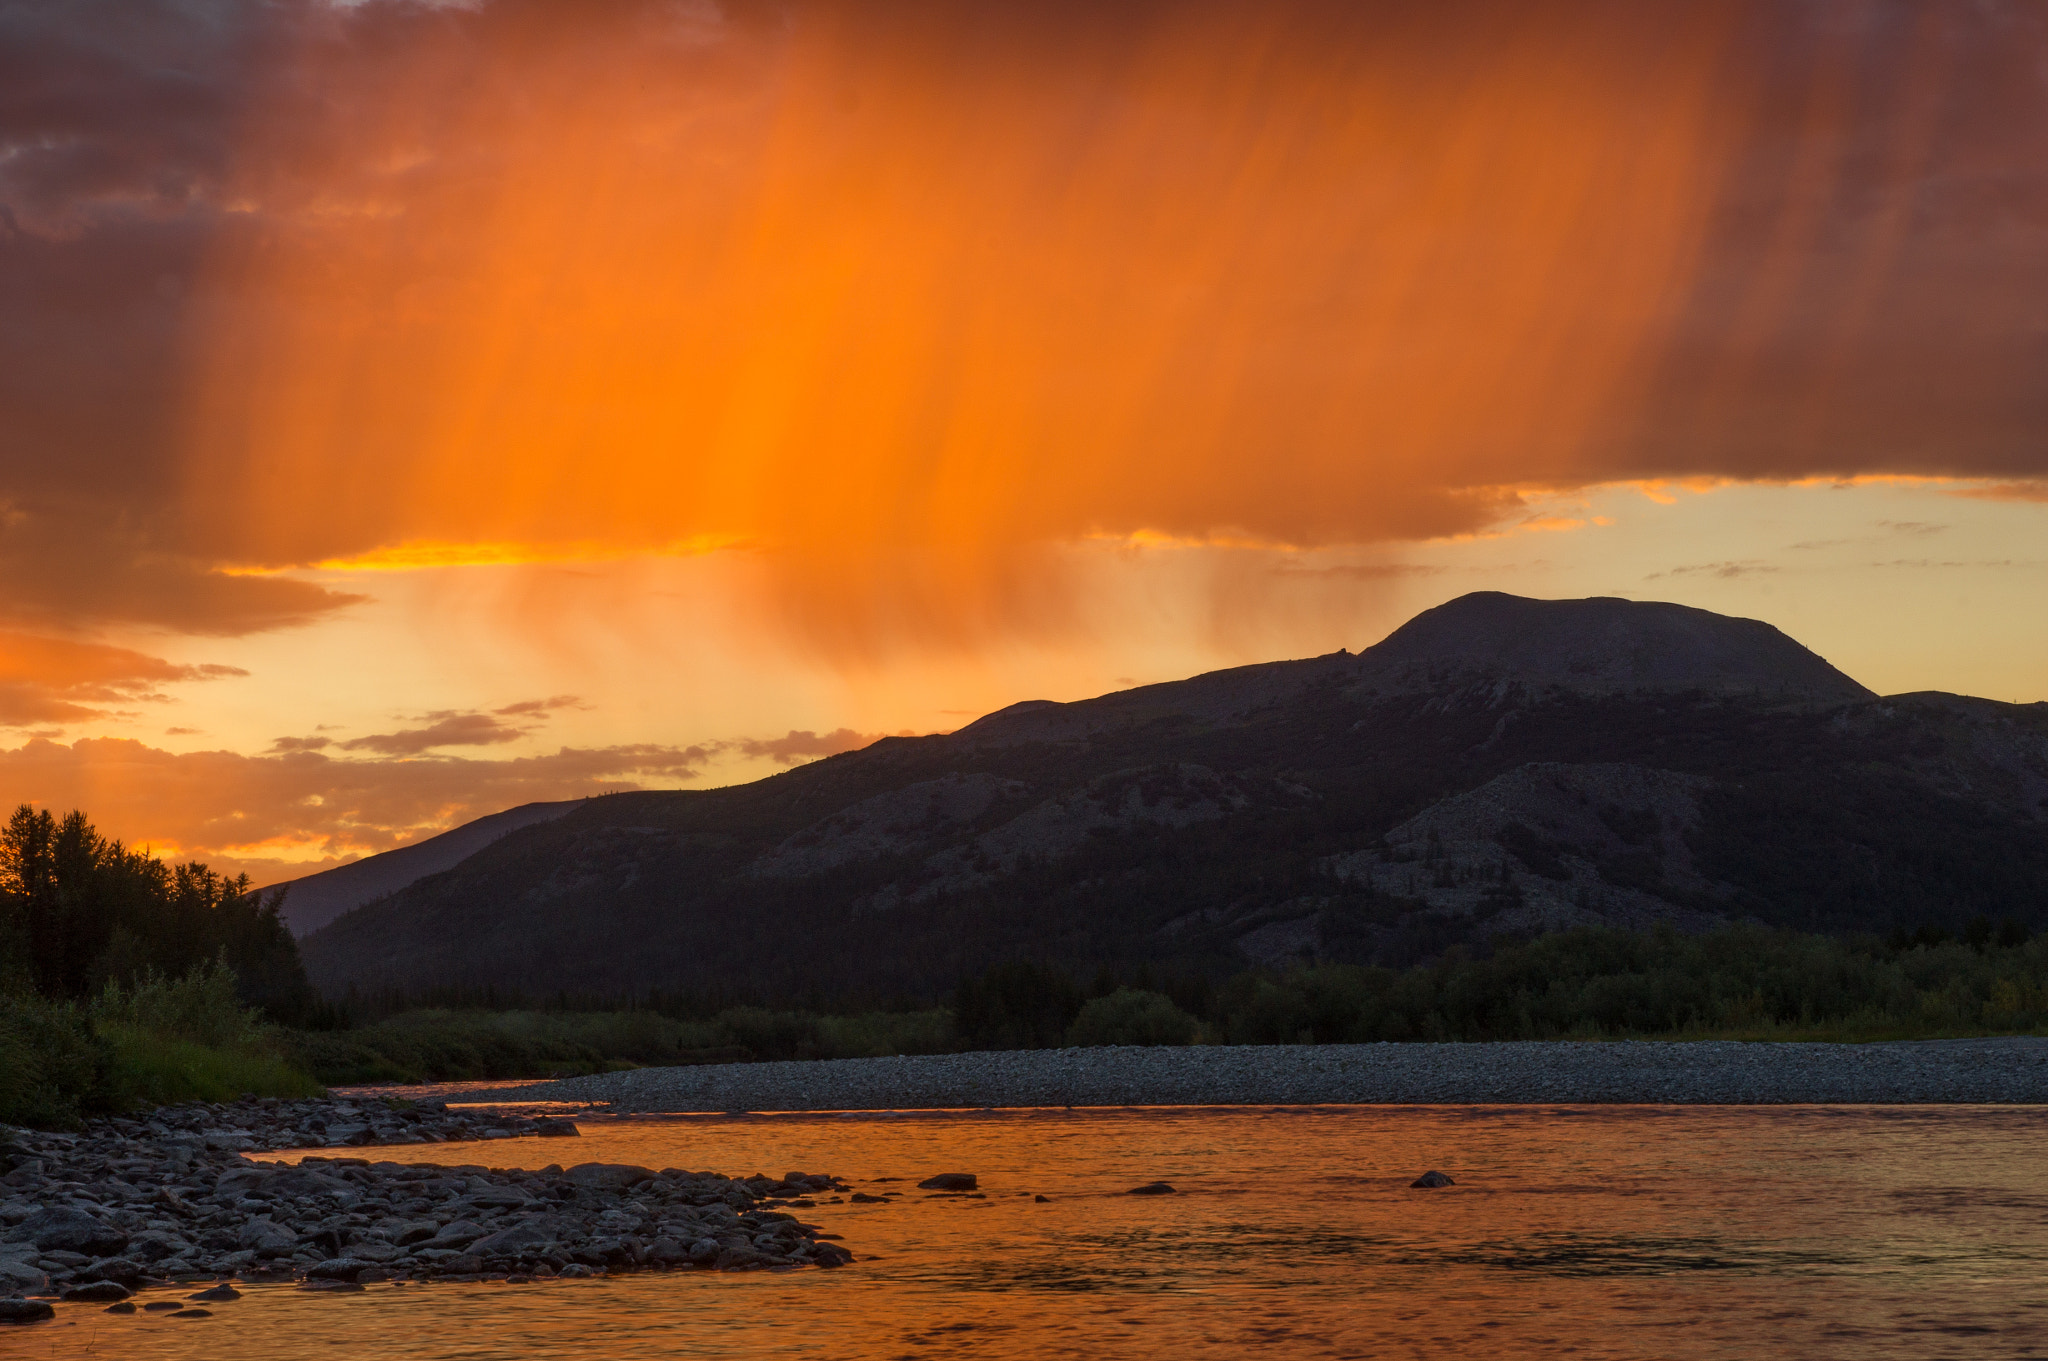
(800,745)
(291,744)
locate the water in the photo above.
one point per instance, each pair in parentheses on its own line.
(1589,1232)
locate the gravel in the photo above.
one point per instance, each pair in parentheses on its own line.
(2010,1070)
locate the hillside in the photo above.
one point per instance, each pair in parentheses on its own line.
(1497,765)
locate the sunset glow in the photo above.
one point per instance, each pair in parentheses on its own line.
(810,368)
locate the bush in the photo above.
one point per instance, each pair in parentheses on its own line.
(1132,1016)
(147,1068)
(202,1008)
(52,1065)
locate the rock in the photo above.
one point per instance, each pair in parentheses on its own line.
(863,1198)
(577,1269)
(949,1181)
(63,1229)
(555,1129)
(337,1268)
(342,1286)
(459,1234)
(522,1239)
(97,1292)
(607,1176)
(1151,1188)
(25,1311)
(830,1255)
(161,1306)
(124,1307)
(1041,1200)
(263,1235)
(114,1269)
(704,1251)
(1430,1180)
(223,1291)
(191,1313)
(22,1278)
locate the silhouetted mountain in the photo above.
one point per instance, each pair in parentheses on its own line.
(1497,765)
(312,902)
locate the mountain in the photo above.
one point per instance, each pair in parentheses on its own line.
(312,902)
(1496,765)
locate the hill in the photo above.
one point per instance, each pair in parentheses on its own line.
(1497,766)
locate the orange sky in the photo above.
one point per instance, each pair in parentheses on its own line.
(424,408)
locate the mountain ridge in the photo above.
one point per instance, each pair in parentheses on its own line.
(1678,767)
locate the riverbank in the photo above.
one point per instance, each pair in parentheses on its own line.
(172,1197)
(2005,1070)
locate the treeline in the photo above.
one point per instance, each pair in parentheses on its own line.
(1591,983)
(79,911)
(126,982)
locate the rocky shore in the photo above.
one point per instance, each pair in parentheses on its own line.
(173,1197)
(2003,1070)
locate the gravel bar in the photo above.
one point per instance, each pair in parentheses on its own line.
(1719,1072)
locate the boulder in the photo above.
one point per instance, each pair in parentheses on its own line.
(523,1239)
(555,1129)
(218,1293)
(949,1181)
(97,1292)
(1151,1188)
(264,1235)
(607,1176)
(21,1278)
(337,1268)
(25,1311)
(458,1234)
(63,1229)
(1430,1180)
(114,1269)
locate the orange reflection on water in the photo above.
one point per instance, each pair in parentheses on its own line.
(1607,1231)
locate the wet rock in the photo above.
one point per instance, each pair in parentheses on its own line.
(1430,1180)
(124,1307)
(18,1277)
(525,1238)
(1041,1200)
(949,1181)
(25,1311)
(218,1293)
(337,1268)
(161,1306)
(192,1313)
(555,1129)
(1151,1188)
(863,1198)
(578,1269)
(97,1292)
(63,1229)
(607,1176)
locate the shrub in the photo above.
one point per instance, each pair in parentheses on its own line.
(202,1007)
(52,1065)
(1132,1016)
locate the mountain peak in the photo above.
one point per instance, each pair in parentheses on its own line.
(1600,645)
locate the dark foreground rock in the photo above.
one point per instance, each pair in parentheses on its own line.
(134,1203)
(1430,1181)
(2011,1069)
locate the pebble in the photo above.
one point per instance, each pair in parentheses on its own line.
(1712,1072)
(176,1197)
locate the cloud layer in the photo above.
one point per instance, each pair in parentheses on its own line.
(894,293)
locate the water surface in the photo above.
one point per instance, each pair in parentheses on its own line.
(1610,1231)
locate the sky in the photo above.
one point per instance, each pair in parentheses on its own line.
(409,410)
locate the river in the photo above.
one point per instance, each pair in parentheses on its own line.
(1603,1231)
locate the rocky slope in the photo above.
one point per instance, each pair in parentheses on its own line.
(1495,765)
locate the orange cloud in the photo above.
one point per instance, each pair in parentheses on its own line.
(56,680)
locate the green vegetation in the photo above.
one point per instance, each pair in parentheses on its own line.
(158,1041)
(126,982)
(454,1046)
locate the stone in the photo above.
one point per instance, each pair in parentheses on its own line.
(1041,1200)
(555,1129)
(25,1311)
(191,1313)
(97,1292)
(522,1239)
(607,1176)
(22,1278)
(124,1307)
(337,1268)
(949,1181)
(63,1229)
(460,1233)
(863,1198)
(1151,1188)
(115,1269)
(577,1269)
(161,1306)
(223,1291)
(267,1236)
(1430,1180)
